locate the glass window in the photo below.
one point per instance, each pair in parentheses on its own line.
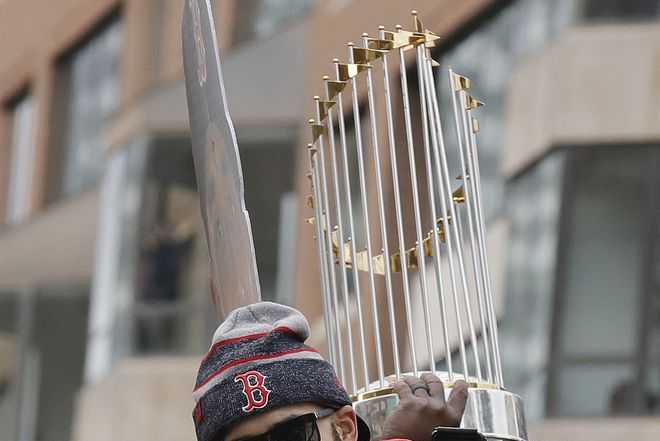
(603,283)
(171,312)
(617,9)
(488,56)
(600,288)
(9,363)
(22,149)
(268,171)
(55,361)
(534,235)
(650,393)
(87,95)
(595,389)
(581,258)
(262,18)
(490,53)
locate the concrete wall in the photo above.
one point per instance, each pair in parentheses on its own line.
(601,429)
(143,399)
(594,84)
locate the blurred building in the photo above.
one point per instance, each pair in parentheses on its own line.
(103,270)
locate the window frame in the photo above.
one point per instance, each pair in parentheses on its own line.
(639,360)
(60,104)
(9,109)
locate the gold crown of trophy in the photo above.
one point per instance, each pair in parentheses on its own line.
(440,239)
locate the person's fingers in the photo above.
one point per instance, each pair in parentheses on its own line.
(410,380)
(457,399)
(403,390)
(417,386)
(435,386)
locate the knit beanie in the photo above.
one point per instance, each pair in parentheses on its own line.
(258,361)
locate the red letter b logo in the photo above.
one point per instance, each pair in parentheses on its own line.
(254,390)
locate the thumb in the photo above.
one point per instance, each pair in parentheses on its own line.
(456,401)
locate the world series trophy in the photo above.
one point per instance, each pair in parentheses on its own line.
(453,246)
(491,411)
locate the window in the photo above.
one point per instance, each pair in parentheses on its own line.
(580,335)
(268,171)
(22,149)
(262,18)
(9,363)
(42,338)
(620,10)
(532,261)
(171,310)
(489,53)
(488,56)
(171,313)
(603,329)
(88,94)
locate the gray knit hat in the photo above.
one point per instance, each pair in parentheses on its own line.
(257,362)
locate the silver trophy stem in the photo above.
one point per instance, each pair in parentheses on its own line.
(484,318)
(452,211)
(344,279)
(370,267)
(455,231)
(415,191)
(481,237)
(397,200)
(434,214)
(323,263)
(353,246)
(342,252)
(477,262)
(381,215)
(451,234)
(330,257)
(436,137)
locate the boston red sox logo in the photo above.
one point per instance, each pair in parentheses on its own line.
(254,389)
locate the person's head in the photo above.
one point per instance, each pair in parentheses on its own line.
(260,378)
(333,424)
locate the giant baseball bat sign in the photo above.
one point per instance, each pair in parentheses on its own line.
(233,267)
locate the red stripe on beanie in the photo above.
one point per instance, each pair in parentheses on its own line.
(253,358)
(218,344)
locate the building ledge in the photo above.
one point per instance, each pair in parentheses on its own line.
(54,248)
(143,398)
(601,429)
(263,83)
(595,84)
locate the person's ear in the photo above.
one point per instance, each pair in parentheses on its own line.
(346,423)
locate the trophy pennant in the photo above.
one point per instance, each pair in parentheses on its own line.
(233,268)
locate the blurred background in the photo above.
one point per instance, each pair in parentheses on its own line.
(104,309)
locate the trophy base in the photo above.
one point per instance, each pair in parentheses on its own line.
(495,413)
